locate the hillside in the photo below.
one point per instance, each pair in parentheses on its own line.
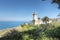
(18,28)
(31,32)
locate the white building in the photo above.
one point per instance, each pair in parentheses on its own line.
(36,20)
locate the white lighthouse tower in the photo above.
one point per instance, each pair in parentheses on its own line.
(35,18)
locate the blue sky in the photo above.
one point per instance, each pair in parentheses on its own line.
(22,10)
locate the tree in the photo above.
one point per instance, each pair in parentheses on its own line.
(55,1)
(45,19)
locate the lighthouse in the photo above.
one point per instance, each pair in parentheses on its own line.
(35,18)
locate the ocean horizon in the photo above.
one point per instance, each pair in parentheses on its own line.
(10,24)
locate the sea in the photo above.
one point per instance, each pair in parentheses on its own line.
(10,24)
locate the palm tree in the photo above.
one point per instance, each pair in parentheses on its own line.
(45,19)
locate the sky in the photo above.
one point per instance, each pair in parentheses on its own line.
(22,10)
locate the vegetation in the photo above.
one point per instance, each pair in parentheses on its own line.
(45,19)
(30,32)
(55,1)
